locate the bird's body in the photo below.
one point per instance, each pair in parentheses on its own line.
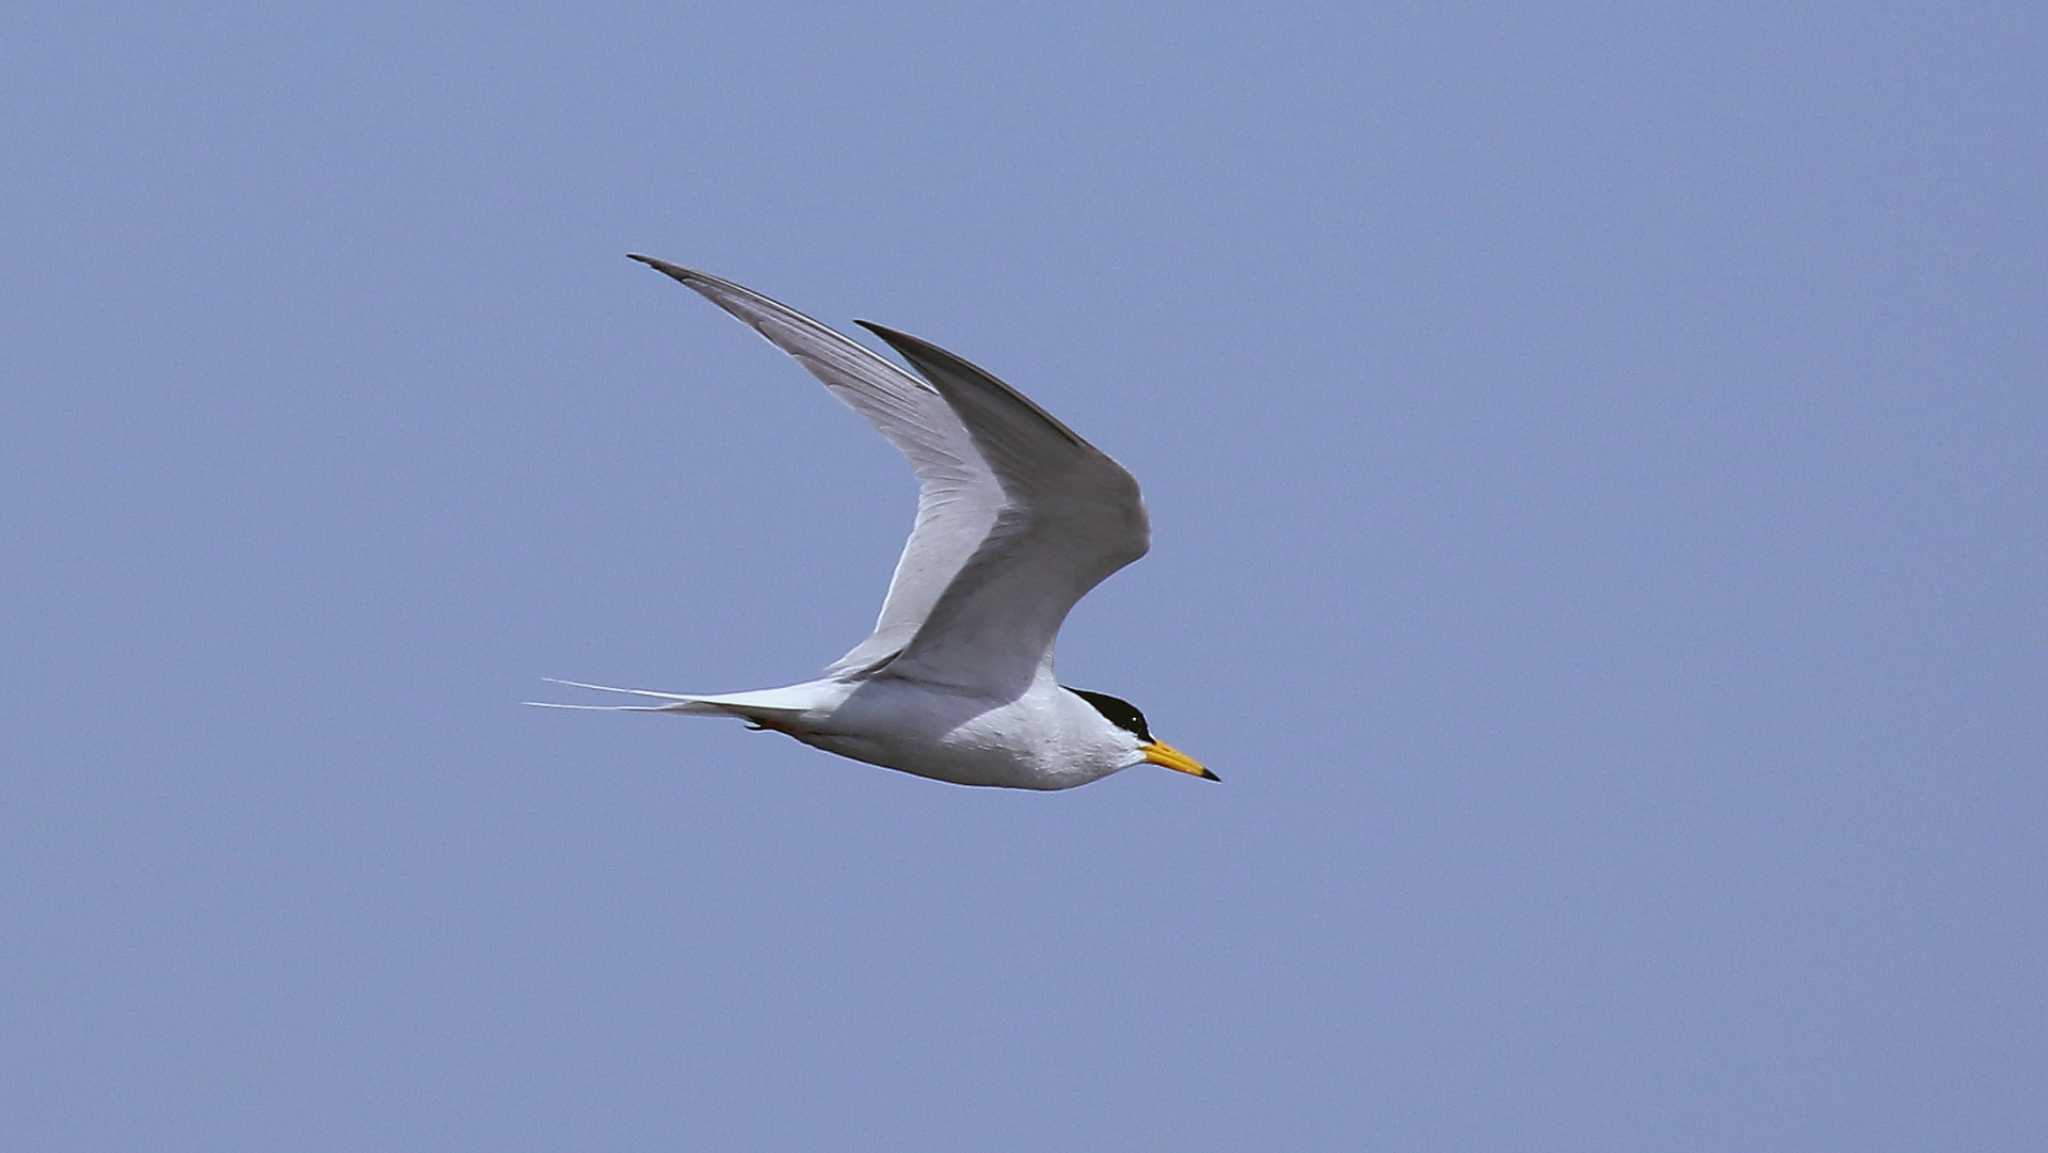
(1018,517)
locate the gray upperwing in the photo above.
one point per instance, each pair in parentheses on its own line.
(958,497)
(1072,516)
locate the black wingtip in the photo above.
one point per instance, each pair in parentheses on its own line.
(910,346)
(673,271)
(1210,776)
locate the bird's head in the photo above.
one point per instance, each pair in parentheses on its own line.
(1132,730)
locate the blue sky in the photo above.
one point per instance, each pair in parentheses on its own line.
(1596,461)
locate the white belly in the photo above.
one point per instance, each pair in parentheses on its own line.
(947,737)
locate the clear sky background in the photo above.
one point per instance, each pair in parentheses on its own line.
(1598,464)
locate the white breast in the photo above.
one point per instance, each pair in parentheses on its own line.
(1032,742)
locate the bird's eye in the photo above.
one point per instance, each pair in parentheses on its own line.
(1117,711)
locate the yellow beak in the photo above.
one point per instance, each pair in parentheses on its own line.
(1166,756)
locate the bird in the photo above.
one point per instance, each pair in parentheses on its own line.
(1018,517)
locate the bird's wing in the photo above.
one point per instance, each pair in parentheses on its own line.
(958,500)
(1071,517)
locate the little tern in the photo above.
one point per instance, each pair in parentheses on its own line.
(1018,518)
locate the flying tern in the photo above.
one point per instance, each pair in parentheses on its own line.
(1018,517)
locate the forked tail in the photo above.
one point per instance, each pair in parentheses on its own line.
(680,703)
(757,708)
